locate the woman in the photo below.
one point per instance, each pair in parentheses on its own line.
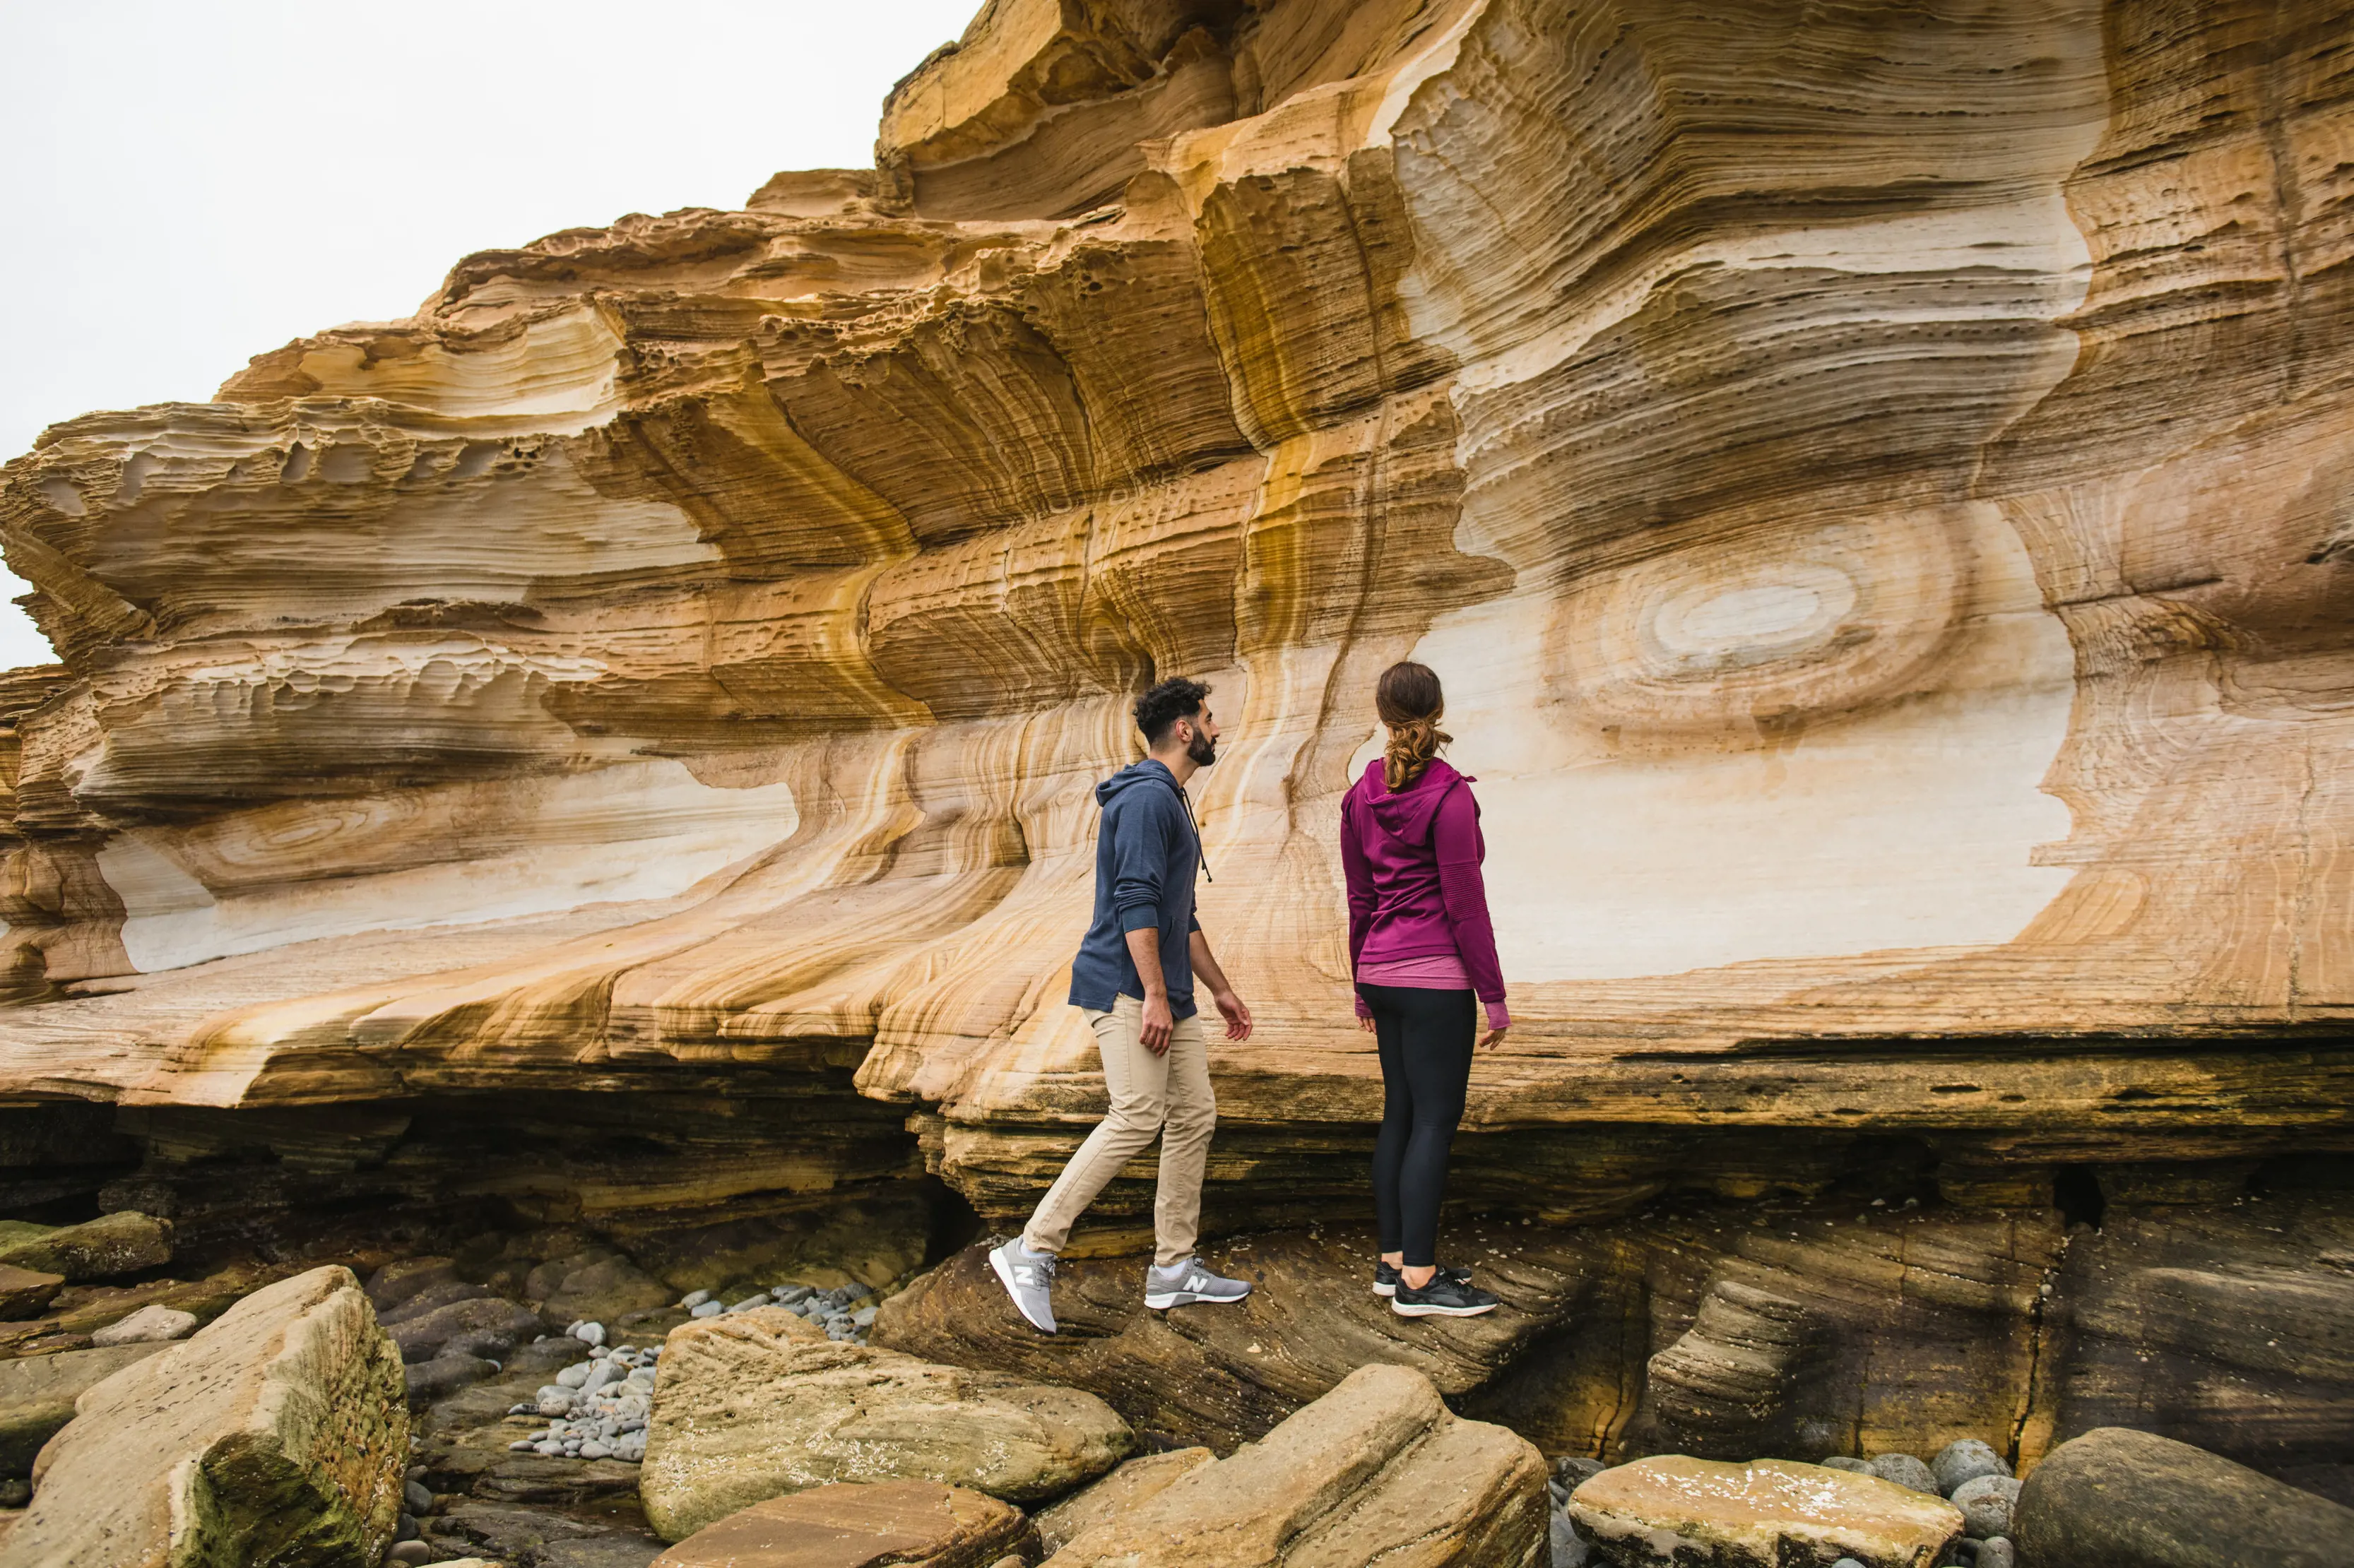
(1420,947)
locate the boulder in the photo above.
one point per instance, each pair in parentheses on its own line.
(444,1375)
(1764,1514)
(596,1284)
(1905,1471)
(442,1293)
(760,1403)
(2119,1498)
(1966,1460)
(112,1245)
(1131,1486)
(154,1324)
(907,1524)
(403,1277)
(25,1292)
(1344,1482)
(480,1326)
(1986,1503)
(277,1435)
(37,1394)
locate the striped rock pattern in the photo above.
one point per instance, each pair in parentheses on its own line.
(1876,482)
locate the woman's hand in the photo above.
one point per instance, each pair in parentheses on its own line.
(1366,1022)
(1491,1040)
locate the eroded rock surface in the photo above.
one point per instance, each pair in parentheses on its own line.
(919,1524)
(1896,697)
(37,1395)
(1666,1512)
(1376,1465)
(1873,481)
(277,1434)
(760,1403)
(1129,1487)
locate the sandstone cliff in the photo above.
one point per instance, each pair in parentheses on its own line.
(1876,482)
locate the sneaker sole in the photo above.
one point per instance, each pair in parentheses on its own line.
(1161,1302)
(1430,1309)
(1384,1291)
(1005,1278)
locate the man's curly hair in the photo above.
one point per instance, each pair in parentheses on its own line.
(1158,709)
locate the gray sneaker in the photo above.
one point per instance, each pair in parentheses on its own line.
(1182,1284)
(1029,1277)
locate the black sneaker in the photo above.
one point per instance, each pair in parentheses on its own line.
(1385,1279)
(1442,1297)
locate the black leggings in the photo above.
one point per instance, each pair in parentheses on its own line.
(1426,1038)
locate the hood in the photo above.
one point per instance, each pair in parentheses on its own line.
(1136,773)
(1407,815)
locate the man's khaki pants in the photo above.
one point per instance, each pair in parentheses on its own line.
(1168,1095)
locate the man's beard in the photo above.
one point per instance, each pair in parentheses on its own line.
(1200,751)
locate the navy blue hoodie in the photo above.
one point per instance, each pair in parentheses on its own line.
(1145,854)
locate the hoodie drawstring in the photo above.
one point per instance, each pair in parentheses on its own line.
(1187,801)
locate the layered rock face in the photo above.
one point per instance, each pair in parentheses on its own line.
(1876,484)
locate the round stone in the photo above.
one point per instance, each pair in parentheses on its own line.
(1997,1552)
(695,1299)
(589,1333)
(707,1309)
(1848,1462)
(1905,1471)
(1986,1503)
(1966,1460)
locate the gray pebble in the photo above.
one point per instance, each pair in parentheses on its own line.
(1848,1462)
(552,1448)
(1997,1552)
(421,1499)
(864,1317)
(411,1552)
(856,1292)
(792,1295)
(1846,1562)
(1966,1460)
(1986,1503)
(1568,1548)
(749,1302)
(1905,1471)
(708,1309)
(694,1299)
(521,1445)
(594,1450)
(1574,1471)
(589,1333)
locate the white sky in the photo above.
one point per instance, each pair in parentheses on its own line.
(188,183)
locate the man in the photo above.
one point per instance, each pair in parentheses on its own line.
(1133,981)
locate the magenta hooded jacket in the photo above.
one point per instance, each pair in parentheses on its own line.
(1412,860)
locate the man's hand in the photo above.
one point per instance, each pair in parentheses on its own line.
(1491,1040)
(1237,1016)
(1157,1024)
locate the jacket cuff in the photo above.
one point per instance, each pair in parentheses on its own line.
(1140,916)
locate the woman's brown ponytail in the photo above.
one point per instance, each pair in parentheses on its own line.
(1411,702)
